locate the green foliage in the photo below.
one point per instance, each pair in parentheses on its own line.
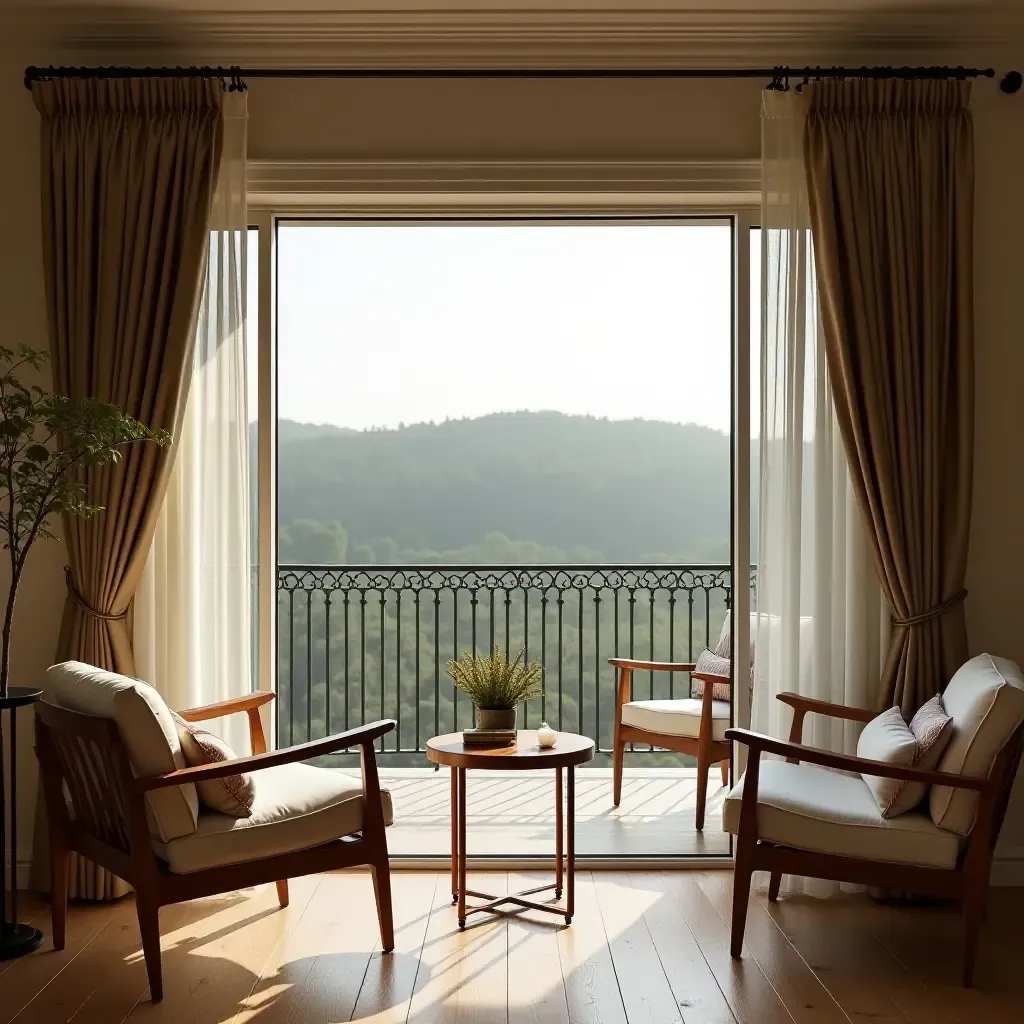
(494,683)
(576,488)
(307,542)
(47,444)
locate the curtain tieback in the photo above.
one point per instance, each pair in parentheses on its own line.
(932,613)
(84,605)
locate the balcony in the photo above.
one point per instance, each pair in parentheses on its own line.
(361,642)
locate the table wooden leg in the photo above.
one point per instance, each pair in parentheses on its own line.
(570,815)
(558,834)
(462,847)
(455,834)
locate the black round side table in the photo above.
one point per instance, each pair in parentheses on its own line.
(15,939)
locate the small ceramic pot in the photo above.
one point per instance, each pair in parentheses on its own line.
(495,718)
(546,736)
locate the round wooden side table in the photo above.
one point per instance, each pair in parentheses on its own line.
(569,751)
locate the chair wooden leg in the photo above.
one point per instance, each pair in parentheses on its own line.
(60,859)
(149,927)
(382,892)
(724,765)
(618,754)
(282,892)
(702,790)
(741,892)
(974,913)
(773,885)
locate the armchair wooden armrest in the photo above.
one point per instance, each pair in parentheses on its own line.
(363,736)
(758,742)
(633,665)
(249,702)
(712,677)
(798,702)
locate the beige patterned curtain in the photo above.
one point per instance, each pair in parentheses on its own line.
(128,172)
(890,170)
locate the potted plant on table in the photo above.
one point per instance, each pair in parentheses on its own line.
(496,686)
(47,442)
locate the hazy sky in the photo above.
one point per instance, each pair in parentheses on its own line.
(382,324)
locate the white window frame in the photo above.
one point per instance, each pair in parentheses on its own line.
(403,190)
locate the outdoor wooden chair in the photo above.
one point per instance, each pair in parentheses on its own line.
(688,725)
(795,816)
(117,792)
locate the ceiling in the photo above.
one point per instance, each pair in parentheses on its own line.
(514,31)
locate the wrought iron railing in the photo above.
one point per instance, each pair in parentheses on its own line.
(361,642)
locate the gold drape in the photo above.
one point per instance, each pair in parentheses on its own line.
(127,179)
(890,168)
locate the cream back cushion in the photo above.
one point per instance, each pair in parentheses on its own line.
(148,732)
(985,699)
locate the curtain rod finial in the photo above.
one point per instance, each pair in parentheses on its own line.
(1011,82)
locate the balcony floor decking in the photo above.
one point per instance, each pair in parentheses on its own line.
(513,813)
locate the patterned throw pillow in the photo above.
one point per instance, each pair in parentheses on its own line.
(933,729)
(710,661)
(919,745)
(232,795)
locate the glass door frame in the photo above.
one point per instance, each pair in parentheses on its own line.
(743,214)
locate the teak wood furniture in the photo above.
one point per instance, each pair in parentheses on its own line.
(967,877)
(688,725)
(569,751)
(105,817)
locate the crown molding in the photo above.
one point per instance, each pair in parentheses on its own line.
(703,33)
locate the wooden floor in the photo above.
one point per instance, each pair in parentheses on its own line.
(644,947)
(513,813)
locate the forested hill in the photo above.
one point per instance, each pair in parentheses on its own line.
(507,487)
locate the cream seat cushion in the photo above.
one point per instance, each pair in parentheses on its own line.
(985,699)
(147,730)
(676,717)
(814,809)
(297,807)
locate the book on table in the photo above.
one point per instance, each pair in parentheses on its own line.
(488,737)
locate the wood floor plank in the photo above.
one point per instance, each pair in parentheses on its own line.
(316,973)
(749,993)
(390,979)
(926,940)
(697,994)
(647,996)
(28,975)
(588,973)
(226,955)
(536,994)
(462,974)
(642,947)
(835,938)
(801,991)
(108,979)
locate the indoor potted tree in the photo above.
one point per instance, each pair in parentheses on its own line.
(496,686)
(47,442)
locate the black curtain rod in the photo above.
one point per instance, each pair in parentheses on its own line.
(1010,83)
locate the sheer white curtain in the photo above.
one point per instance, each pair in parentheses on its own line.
(192,611)
(822,624)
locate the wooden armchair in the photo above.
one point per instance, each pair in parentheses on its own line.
(688,725)
(105,802)
(796,817)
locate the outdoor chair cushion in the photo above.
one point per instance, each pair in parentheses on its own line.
(675,717)
(815,809)
(296,807)
(985,699)
(147,731)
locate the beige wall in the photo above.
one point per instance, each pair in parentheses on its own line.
(614,119)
